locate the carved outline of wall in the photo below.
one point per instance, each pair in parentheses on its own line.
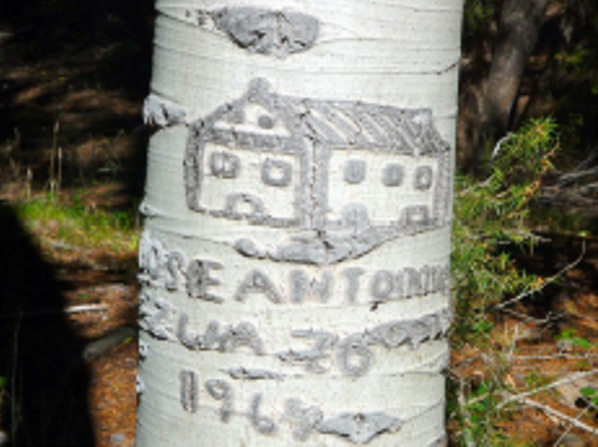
(316,128)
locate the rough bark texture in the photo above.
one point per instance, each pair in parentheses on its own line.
(519,27)
(295,258)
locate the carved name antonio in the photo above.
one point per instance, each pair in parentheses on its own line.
(201,279)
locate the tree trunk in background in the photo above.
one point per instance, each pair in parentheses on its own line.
(519,27)
(295,257)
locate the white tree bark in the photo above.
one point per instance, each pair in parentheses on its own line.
(295,256)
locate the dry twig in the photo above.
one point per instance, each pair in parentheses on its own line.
(86,308)
(552,412)
(548,281)
(571,378)
(566,432)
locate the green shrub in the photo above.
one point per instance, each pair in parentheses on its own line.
(490,223)
(490,219)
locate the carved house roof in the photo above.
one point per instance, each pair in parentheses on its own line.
(338,124)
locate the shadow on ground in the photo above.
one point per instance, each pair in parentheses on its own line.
(45,394)
(73,74)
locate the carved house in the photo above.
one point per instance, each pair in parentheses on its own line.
(347,175)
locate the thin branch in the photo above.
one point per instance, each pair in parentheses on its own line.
(85,308)
(536,239)
(548,281)
(551,411)
(513,346)
(557,443)
(523,396)
(578,176)
(495,152)
(100,307)
(499,144)
(524,317)
(589,159)
(105,343)
(554,356)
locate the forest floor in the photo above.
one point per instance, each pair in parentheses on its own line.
(70,133)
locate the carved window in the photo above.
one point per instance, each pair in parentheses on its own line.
(224,165)
(265,122)
(392,175)
(423,178)
(354,171)
(276,172)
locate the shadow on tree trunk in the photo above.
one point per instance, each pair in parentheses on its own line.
(45,392)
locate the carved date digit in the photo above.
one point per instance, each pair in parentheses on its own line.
(305,419)
(221,390)
(262,424)
(189,390)
(354,356)
(324,342)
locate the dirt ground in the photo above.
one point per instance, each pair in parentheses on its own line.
(72,81)
(108,281)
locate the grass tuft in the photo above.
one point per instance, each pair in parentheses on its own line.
(74,225)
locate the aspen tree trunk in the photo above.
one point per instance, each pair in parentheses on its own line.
(295,257)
